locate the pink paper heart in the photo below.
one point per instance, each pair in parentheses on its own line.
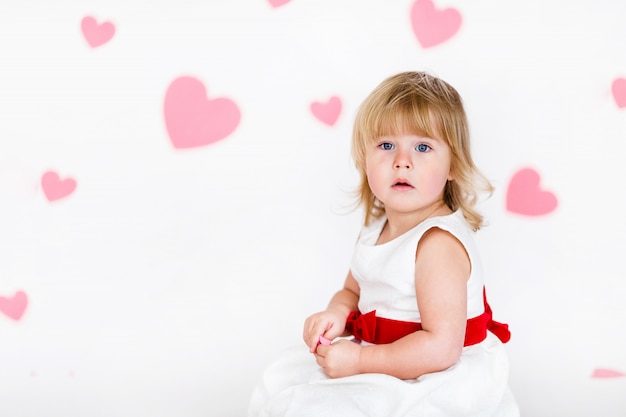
(618,88)
(96,34)
(278,3)
(433,26)
(524,196)
(327,112)
(14,307)
(192,120)
(607,373)
(56,188)
(324,341)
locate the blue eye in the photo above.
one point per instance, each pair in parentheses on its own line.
(386,146)
(422,147)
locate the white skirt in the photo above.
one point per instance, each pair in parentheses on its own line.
(476,386)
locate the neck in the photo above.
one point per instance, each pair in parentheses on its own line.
(400,223)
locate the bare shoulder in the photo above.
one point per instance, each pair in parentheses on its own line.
(441,250)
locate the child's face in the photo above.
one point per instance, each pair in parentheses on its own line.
(408,173)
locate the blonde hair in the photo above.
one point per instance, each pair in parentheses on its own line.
(421,104)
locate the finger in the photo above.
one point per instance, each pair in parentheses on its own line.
(333,331)
(315,338)
(308,327)
(310,337)
(320,361)
(322,350)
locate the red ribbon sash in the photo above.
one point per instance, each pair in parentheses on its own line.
(380,330)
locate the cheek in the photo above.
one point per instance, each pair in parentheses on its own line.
(436,182)
(371,178)
(374,178)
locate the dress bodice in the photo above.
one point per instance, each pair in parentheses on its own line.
(386,272)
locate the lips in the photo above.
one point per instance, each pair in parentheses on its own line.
(402,184)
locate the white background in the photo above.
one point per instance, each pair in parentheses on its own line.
(170,277)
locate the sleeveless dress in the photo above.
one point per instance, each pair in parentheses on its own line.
(476,386)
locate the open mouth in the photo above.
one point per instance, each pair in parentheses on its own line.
(402,184)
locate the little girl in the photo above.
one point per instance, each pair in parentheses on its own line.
(422,338)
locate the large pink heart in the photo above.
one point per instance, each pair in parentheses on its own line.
(524,196)
(96,33)
(607,373)
(56,188)
(192,120)
(618,88)
(278,3)
(14,307)
(431,25)
(327,112)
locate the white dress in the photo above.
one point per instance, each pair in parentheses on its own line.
(476,386)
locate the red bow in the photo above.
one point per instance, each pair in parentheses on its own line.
(380,330)
(362,326)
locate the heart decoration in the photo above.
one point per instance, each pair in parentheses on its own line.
(56,188)
(618,88)
(433,26)
(327,112)
(607,373)
(278,3)
(96,34)
(324,341)
(15,306)
(192,119)
(524,195)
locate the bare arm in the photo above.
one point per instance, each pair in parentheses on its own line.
(332,322)
(442,268)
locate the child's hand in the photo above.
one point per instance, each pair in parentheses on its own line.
(339,359)
(329,323)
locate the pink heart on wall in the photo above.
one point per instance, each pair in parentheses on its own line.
(327,112)
(525,196)
(433,26)
(192,119)
(618,88)
(607,373)
(56,188)
(15,306)
(278,3)
(96,34)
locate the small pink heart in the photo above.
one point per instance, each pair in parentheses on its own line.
(607,373)
(618,88)
(524,196)
(324,341)
(192,120)
(14,307)
(55,188)
(431,25)
(95,33)
(278,3)
(327,112)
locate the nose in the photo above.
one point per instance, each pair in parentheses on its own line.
(402,160)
